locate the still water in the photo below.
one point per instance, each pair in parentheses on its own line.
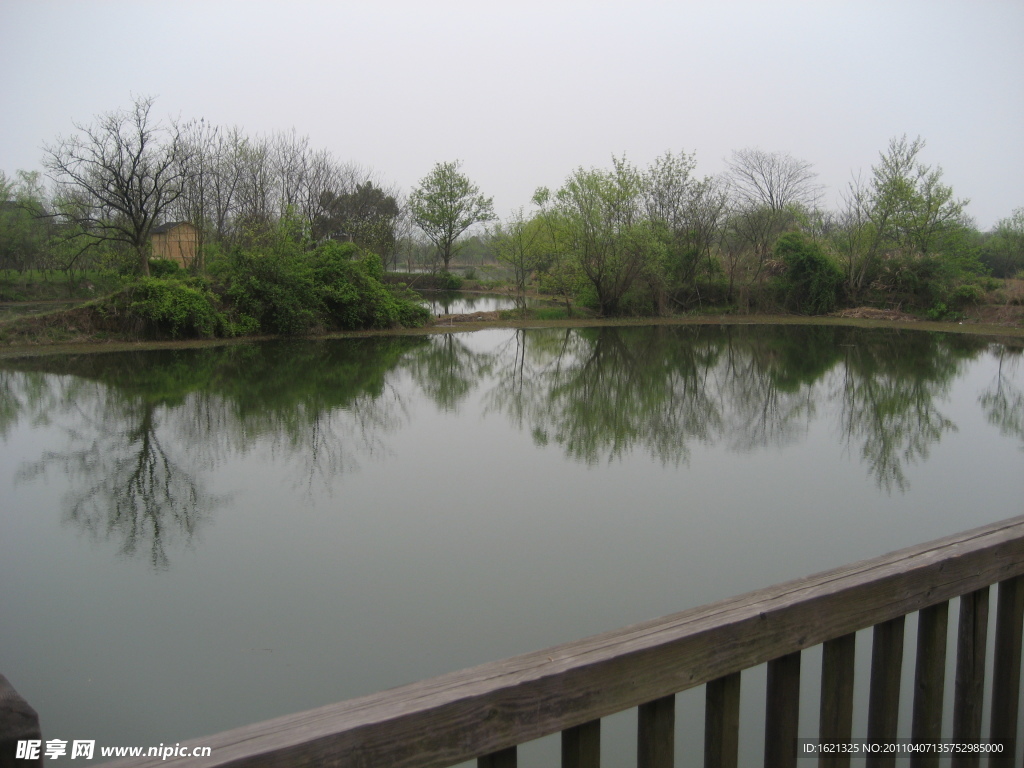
(194,540)
(462,302)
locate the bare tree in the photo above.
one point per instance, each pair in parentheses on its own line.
(774,180)
(255,194)
(124,171)
(768,189)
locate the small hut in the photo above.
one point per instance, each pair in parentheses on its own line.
(177,241)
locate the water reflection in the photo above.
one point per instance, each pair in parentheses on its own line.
(447,369)
(461,303)
(601,393)
(1003,401)
(143,432)
(127,485)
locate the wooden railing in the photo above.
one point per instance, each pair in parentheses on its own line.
(486,711)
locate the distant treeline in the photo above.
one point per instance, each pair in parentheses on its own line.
(619,240)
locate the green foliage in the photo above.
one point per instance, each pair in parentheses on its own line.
(277,293)
(812,280)
(1003,251)
(549,313)
(449,281)
(169,307)
(164,268)
(445,204)
(603,230)
(325,289)
(368,215)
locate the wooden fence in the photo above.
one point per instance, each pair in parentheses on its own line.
(486,711)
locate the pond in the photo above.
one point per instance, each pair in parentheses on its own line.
(197,539)
(465,302)
(462,302)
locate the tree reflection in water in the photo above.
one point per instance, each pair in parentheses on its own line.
(1003,401)
(600,393)
(126,485)
(146,430)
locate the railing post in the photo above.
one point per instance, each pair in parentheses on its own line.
(722,722)
(1006,680)
(884,696)
(968,695)
(18,722)
(783,711)
(929,681)
(837,674)
(656,733)
(505,758)
(581,746)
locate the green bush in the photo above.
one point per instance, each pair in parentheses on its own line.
(812,281)
(164,268)
(449,281)
(333,287)
(277,292)
(175,308)
(967,294)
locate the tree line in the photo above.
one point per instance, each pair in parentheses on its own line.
(626,239)
(621,240)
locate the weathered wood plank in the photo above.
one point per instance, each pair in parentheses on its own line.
(837,675)
(505,758)
(929,682)
(581,746)
(656,733)
(968,694)
(884,694)
(1006,679)
(782,717)
(722,722)
(473,712)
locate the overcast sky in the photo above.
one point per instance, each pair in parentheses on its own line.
(524,92)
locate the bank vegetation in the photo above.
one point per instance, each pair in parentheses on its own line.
(292,241)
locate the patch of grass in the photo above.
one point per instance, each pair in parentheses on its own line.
(549,313)
(36,285)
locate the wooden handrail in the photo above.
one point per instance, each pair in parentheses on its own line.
(487,710)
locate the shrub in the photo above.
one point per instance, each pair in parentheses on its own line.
(356,296)
(278,293)
(449,281)
(812,281)
(164,268)
(967,294)
(175,308)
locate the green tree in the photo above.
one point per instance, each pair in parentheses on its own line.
(520,245)
(812,280)
(445,204)
(911,208)
(686,214)
(903,225)
(1003,252)
(367,215)
(605,230)
(25,228)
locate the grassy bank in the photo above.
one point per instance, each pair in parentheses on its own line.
(76,340)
